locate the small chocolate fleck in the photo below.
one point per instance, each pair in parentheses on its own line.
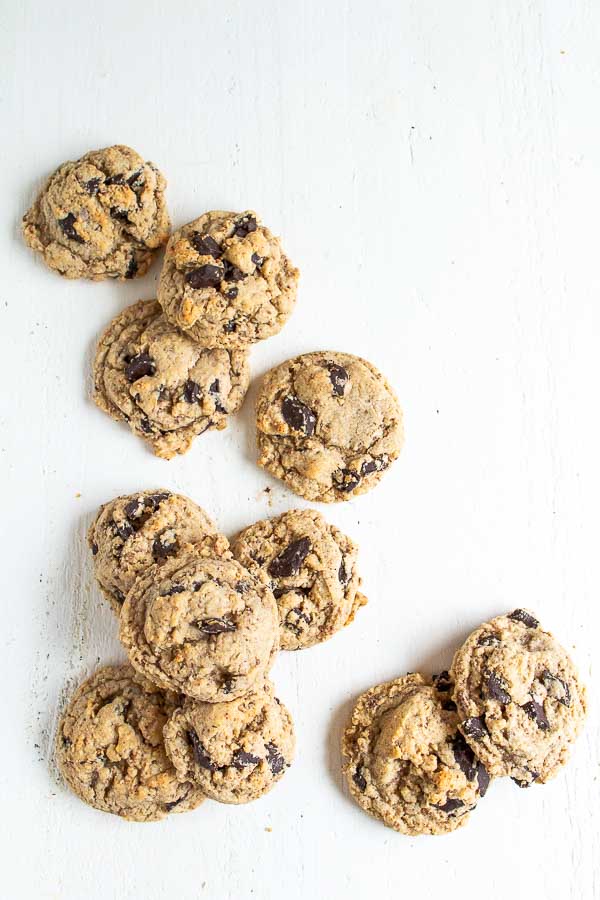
(139,366)
(119,595)
(241,759)
(230,326)
(298,416)
(94,548)
(242,587)
(191,391)
(231,293)
(244,226)
(536,712)
(215,625)
(68,230)
(274,758)
(132,268)
(521,615)
(174,589)
(289,562)
(205,276)
(359,779)
(200,754)
(205,245)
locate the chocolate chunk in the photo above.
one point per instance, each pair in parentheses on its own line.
(524,782)
(293,619)
(377,464)
(227,683)
(136,180)
(169,806)
(241,759)
(556,687)
(345,480)
(94,548)
(242,587)
(68,230)
(521,615)
(343,575)
(205,276)
(175,589)
(483,779)
(205,245)
(244,226)
(161,549)
(215,387)
(231,293)
(496,688)
(257,260)
(146,425)
(289,562)
(124,530)
(191,391)
(274,758)
(474,727)
(449,705)
(118,213)
(359,779)
(298,416)
(115,179)
(92,186)
(487,640)
(338,377)
(442,682)
(153,501)
(200,754)
(232,273)
(536,712)
(450,805)
(216,625)
(119,595)
(139,366)
(132,268)
(464,756)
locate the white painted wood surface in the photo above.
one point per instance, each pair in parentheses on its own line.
(433,169)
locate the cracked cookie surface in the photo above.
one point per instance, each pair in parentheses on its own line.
(168,388)
(226,280)
(405,760)
(234,752)
(328,424)
(519,698)
(101,216)
(131,533)
(110,748)
(201,626)
(312,568)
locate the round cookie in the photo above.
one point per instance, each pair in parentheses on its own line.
(226,281)
(328,424)
(313,573)
(167,387)
(110,748)
(519,698)
(132,532)
(234,752)
(405,760)
(201,626)
(102,216)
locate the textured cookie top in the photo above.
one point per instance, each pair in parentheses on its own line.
(201,626)
(312,571)
(226,281)
(167,387)
(406,762)
(132,532)
(110,749)
(328,424)
(519,698)
(234,752)
(101,216)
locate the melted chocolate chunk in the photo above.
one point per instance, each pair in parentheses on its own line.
(536,712)
(345,480)
(241,759)
(359,779)
(68,230)
(338,377)
(289,562)
(464,756)
(161,549)
(497,688)
(442,682)
(450,805)
(244,226)
(298,416)
(474,727)
(200,754)
(205,276)
(275,758)
(191,391)
(216,625)
(139,366)
(556,687)
(232,273)
(205,245)
(92,186)
(521,615)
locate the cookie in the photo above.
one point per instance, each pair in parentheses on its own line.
(110,748)
(132,532)
(226,281)
(167,387)
(328,424)
(405,760)
(312,570)
(102,216)
(234,752)
(201,626)
(519,699)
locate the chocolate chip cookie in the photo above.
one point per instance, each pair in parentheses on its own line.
(312,570)
(519,699)
(167,387)
(132,532)
(110,748)
(234,752)
(201,626)
(102,216)
(226,281)
(406,761)
(328,424)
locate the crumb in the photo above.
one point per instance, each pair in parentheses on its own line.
(269,829)
(77,495)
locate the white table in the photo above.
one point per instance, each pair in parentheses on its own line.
(433,168)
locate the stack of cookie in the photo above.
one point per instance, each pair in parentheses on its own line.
(194,715)
(419,753)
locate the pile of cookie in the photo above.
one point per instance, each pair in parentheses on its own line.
(419,753)
(194,714)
